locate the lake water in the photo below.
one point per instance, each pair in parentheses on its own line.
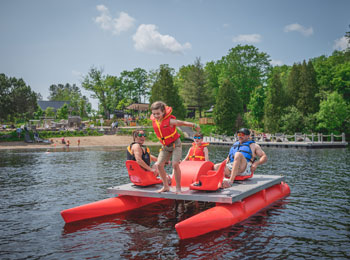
(312,223)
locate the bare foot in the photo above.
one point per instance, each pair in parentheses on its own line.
(178,191)
(163,190)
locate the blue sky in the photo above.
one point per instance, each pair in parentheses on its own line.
(57,42)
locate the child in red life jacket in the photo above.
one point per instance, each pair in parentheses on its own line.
(199,150)
(164,125)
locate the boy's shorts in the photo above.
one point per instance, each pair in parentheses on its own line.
(174,150)
(246,171)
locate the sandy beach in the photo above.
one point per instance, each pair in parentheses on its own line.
(85,141)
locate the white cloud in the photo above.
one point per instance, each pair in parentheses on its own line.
(247,38)
(341,44)
(276,63)
(116,25)
(299,28)
(148,39)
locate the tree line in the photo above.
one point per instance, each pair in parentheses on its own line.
(243,87)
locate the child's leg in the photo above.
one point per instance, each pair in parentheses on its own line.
(162,158)
(164,177)
(176,158)
(177,173)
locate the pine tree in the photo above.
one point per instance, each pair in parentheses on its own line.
(228,108)
(273,104)
(195,92)
(307,103)
(293,85)
(164,90)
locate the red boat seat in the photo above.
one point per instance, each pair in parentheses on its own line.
(139,176)
(242,178)
(210,180)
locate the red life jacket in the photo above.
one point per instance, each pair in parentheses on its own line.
(166,134)
(197,152)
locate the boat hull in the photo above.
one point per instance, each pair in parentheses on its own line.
(106,207)
(226,215)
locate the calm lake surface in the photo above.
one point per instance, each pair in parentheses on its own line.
(312,223)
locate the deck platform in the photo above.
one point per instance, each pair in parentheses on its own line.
(239,190)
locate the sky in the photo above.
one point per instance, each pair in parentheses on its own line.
(47,42)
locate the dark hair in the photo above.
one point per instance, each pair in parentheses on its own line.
(158,105)
(136,132)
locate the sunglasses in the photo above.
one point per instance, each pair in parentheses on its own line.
(140,135)
(240,134)
(197,137)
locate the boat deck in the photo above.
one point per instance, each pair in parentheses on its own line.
(238,191)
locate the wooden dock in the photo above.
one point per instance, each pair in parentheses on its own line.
(303,145)
(239,190)
(297,140)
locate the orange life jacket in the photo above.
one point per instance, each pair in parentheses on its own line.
(197,152)
(166,134)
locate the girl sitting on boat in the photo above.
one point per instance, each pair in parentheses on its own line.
(136,151)
(199,150)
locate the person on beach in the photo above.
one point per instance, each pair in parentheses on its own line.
(241,158)
(136,151)
(164,125)
(199,150)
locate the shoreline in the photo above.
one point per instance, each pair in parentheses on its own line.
(85,141)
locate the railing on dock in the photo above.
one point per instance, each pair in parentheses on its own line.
(312,138)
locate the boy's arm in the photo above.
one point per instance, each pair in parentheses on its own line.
(175,122)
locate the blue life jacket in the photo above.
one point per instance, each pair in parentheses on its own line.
(244,148)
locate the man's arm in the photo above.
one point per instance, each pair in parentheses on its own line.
(261,154)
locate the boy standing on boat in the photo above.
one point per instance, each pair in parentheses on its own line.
(241,158)
(199,150)
(164,125)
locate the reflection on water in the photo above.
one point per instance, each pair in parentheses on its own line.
(313,222)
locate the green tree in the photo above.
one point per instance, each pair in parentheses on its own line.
(62,113)
(49,112)
(95,81)
(164,90)
(17,100)
(274,104)
(341,80)
(212,70)
(292,120)
(71,93)
(293,85)
(195,92)
(5,101)
(246,68)
(307,101)
(228,108)
(135,84)
(333,116)
(256,104)
(38,113)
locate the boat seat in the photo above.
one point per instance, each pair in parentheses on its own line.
(139,176)
(210,180)
(242,178)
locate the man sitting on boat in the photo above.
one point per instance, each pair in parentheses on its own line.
(199,150)
(136,151)
(241,159)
